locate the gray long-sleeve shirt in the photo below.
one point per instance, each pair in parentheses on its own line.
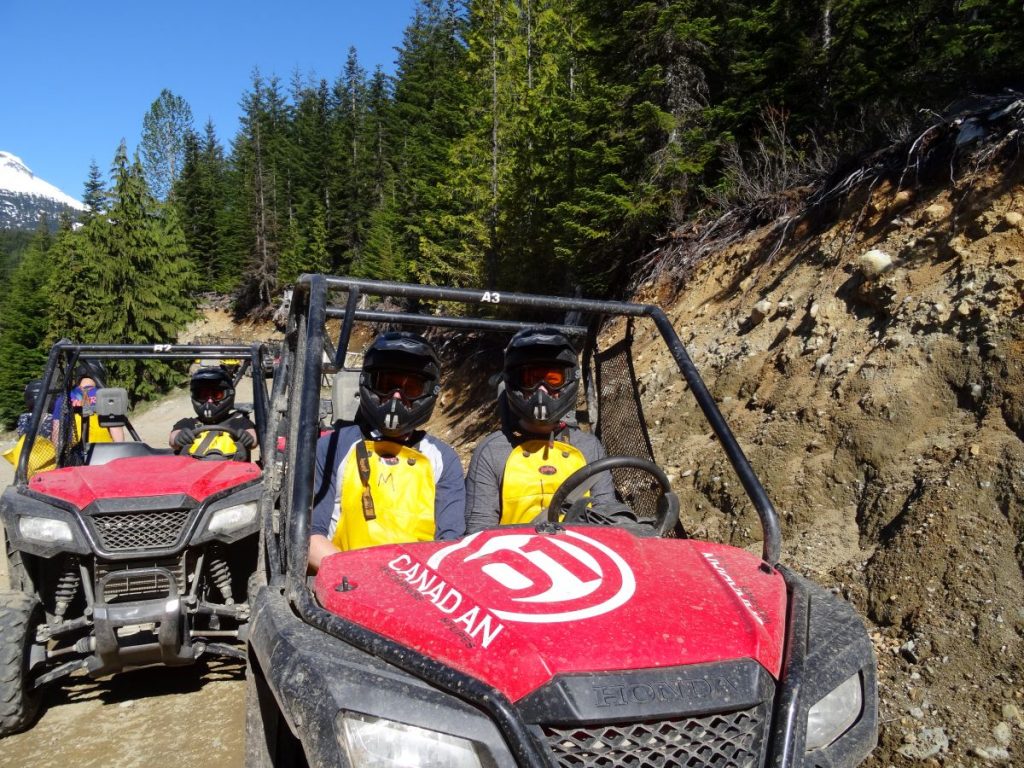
(487,469)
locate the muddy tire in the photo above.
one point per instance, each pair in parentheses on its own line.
(268,741)
(20,614)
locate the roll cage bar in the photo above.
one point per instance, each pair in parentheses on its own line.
(64,357)
(302,368)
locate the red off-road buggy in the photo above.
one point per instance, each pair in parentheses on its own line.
(559,643)
(122,554)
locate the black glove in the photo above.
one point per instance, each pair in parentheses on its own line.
(247,439)
(184,438)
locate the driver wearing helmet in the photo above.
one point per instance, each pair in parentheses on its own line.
(382,479)
(212,389)
(515,471)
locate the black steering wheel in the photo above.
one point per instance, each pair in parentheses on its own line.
(242,452)
(667,504)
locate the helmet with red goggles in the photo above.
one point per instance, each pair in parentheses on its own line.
(213,394)
(541,376)
(399,383)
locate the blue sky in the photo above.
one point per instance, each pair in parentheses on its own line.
(78,77)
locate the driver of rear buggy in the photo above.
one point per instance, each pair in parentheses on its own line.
(515,471)
(213,396)
(382,479)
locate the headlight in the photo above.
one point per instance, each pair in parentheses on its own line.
(44,529)
(372,742)
(834,713)
(231,519)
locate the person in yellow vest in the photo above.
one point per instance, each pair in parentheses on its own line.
(212,391)
(382,479)
(76,402)
(515,471)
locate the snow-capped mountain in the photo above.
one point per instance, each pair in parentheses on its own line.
(24,197)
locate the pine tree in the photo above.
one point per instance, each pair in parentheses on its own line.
(95,195)
(428,118)
(199,199)
(144,281)
(259,205)
(164,128)
(25,309)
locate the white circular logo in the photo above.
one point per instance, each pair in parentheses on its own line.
(538,578)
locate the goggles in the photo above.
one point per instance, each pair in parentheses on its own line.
(211,392)
(79,394)
(553,377)
(410,385)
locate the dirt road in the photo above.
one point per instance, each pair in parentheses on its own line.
(191,715)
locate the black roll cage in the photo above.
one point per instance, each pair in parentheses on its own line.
(303,362)
(64,356)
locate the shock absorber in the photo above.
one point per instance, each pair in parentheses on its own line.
(66,588)
(220,574)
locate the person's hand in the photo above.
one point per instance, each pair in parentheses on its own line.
(247,439)
(184,438)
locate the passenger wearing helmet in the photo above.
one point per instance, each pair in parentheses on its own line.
(515,471)
(382,479)
(212,390)
(33,390)
(89,376)
(44,455)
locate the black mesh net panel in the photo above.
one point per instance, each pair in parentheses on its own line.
(621,425)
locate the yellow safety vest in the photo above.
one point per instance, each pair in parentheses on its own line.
(533,472)
(97,434)
(44,454)
(400,485)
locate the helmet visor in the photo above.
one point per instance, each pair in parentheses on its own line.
(553,377)
(208,391)
(410,385)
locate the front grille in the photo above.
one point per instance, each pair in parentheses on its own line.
(152,585)
(124,532)
(726,740)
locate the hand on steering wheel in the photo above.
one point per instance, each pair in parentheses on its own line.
(244,442)
(668,502)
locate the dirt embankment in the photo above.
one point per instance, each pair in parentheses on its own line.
(873,372)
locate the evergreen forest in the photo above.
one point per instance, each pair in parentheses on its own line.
(523,145)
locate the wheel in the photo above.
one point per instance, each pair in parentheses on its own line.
(268,742)
(20,614)
(668,502)
(242,453)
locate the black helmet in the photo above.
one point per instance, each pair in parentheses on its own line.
(213,393)
(91,369)
(403,362)
(32,392)
(536,357)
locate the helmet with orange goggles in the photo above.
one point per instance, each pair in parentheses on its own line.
(541,377)
(399,383)
(213,393)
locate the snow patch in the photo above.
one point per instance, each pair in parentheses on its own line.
(16,177)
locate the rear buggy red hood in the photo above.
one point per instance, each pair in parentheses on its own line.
(143,476)
(515,608)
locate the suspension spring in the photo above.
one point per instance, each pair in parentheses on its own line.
(67,588)
(221,576)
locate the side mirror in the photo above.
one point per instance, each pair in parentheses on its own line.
(111,406)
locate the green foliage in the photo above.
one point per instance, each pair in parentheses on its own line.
(125,278)
(164,128)
(24,314)
(548,145)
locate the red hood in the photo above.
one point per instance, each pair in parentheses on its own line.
(515,608)
(143,476)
